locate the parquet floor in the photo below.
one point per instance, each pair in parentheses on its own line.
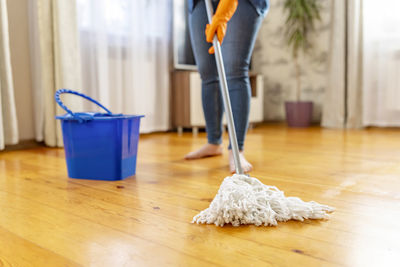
(47,219)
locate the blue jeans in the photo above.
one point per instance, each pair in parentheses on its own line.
(237,48)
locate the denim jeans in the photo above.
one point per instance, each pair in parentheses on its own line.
(261,6)
(237,48)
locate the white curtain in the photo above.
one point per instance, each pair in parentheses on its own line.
(382,63)
(364,76)
(333,108)
(55,63)
(342,107)
(125,47)
(8,115)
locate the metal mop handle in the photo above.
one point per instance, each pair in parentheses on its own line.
(225,94)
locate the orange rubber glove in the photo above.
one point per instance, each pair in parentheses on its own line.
(225,11)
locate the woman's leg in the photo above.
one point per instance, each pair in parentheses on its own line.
(211,96)
(237,48)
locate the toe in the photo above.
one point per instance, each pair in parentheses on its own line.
(248,168)
(190,156)
(232,167)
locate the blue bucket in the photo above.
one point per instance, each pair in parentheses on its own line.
(99,146)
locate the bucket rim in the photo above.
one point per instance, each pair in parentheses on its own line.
(89,116)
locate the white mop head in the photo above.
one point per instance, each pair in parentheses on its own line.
(245,200)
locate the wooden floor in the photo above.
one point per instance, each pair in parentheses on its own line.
(47,219)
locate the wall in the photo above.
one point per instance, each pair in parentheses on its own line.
(20,61)
(273,59)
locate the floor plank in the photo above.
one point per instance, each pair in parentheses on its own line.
(145,220)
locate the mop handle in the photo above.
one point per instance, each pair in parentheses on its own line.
(225,94)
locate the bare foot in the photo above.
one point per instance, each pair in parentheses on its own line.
(208,150)
(247,167)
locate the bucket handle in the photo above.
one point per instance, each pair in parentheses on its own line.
(68,91)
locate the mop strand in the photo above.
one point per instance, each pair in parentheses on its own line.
(245,200)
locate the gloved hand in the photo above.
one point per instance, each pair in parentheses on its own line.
(225,11)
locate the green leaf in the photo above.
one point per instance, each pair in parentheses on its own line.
(300,19)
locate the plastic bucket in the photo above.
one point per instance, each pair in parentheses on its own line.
(99,146)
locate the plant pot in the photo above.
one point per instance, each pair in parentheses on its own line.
(299,114)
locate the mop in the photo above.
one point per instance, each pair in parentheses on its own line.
(245,200)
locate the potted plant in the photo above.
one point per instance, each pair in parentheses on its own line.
(301,16)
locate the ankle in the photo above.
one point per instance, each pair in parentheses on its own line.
(214,146)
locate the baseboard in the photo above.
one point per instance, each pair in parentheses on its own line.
(24,144)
